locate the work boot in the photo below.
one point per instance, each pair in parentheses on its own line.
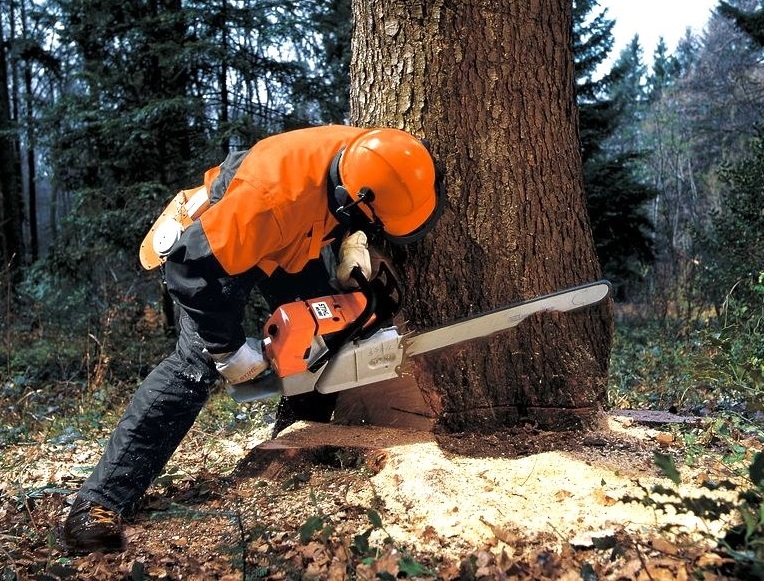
(91,527)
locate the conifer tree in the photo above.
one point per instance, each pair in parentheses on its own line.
(332,81)
(665,71)
(161,91)
(627,89)
(615,197)
(735,242)
(750,22)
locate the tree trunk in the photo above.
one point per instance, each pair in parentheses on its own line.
(34,239)
(11,201)
(491,85)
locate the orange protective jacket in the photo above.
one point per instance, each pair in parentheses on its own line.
(269,209)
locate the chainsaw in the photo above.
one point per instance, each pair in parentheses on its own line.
(338,342)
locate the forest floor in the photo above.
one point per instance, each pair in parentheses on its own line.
(331,502)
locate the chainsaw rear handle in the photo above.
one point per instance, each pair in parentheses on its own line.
(335,342)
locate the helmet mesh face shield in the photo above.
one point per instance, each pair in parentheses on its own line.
(400,172)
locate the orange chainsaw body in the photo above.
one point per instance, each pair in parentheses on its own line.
(290,332)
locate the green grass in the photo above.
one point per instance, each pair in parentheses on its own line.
(707,369)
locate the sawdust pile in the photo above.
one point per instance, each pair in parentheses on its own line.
(569,487)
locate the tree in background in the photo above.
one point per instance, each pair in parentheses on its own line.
(724,100)
(627,89)
(669,165)
(117,106)
(616,199)
(734,255)
(145,96)
(679,121)
(701,119)
(330,81)
(665,70)
(126,129)
(749,17)
(736,239)
(11,208)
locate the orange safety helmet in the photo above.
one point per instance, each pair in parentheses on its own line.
(391,176)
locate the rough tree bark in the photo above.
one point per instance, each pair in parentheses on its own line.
(490,83)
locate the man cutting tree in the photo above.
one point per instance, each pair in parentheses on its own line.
(270,211)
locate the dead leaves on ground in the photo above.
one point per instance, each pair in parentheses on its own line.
(251,530)
(251,525)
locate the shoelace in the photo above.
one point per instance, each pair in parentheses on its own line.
(103,515)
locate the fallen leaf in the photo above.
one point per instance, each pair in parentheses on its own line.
(665,439)
(664,546)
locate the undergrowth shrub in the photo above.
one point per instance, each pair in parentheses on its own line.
(711,365)
(73,353)
(712,368)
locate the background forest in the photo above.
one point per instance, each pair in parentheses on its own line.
(108,108)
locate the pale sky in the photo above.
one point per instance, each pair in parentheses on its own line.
(652,19)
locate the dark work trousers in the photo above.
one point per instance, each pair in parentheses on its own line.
(160,414)
(166,404)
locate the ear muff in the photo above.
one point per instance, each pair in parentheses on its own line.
(342,205)
(393,166)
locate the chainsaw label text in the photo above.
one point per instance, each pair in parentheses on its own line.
(322,310)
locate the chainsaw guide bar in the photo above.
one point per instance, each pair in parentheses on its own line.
(492,322)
